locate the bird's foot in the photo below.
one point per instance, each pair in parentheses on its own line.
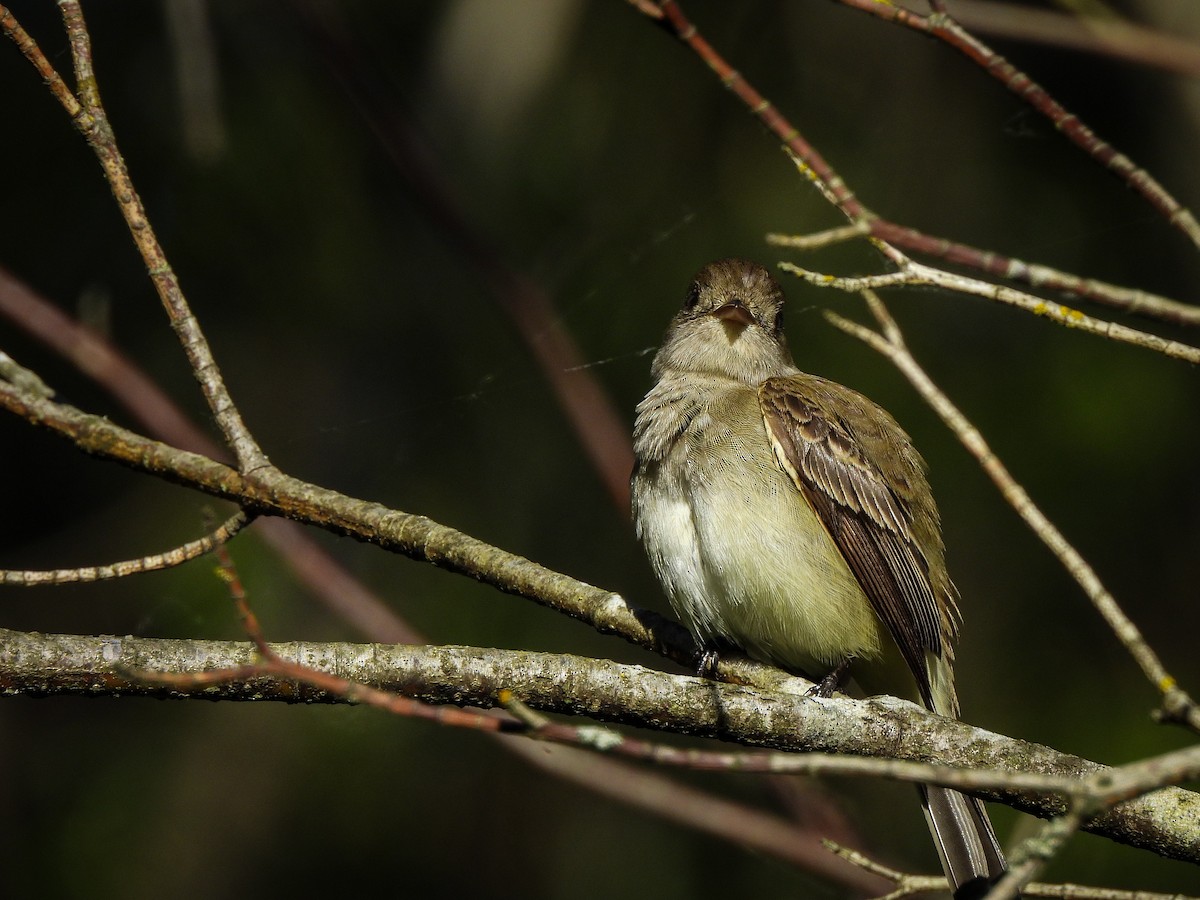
(706,663)
(831,682)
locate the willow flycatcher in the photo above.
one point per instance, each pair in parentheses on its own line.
(790,516)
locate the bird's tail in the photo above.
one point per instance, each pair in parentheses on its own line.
(970,854)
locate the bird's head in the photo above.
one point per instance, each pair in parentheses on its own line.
(730,325)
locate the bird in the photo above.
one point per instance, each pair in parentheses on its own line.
(791,517)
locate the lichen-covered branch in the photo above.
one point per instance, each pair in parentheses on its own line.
(1166,821)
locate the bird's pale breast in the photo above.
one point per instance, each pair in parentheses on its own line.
(739,549)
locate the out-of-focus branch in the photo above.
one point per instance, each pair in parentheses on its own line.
(197,72)
(92,354)
(601,430)
(940,25)
(1112,38)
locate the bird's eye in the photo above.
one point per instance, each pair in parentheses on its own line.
(693,296)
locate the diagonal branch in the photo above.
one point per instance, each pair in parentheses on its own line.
(91,120)
(940,25)
(865,222)
(272,492)
(1177,704)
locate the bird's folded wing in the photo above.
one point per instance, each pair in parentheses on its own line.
(835,445)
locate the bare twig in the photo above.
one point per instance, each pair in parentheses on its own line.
(908,885)
(945,28)
(1130,300)
(1177,704)
(1112,38)
(94,125)
(912,273)
(91,120)
(866,222)
(1034,853)
(173,557)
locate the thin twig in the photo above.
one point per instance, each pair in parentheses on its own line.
(1134,301)
(1032,855)
(88,115)
(908,885)
(912,273)
(170,558)
(823,176)
(31,51)
(1177,704)
(940,25)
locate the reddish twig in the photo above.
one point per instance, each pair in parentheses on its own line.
(941,26)
(598,425)
(1130,300)
(1102,35)
(823,174)
(867,223)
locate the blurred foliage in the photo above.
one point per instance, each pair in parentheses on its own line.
(593,154)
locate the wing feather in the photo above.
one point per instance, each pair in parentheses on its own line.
(858,469)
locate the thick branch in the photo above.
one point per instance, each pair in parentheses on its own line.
(1166,821)
(271,492)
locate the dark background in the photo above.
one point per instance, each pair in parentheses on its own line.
(596,156)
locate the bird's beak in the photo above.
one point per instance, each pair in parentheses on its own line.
(734,313)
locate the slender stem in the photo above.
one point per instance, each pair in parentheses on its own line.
(912,273)
(943,27)
(169,559)
(93,123)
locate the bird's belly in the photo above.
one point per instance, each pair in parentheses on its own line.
(756,567)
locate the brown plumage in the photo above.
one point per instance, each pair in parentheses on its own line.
(791,516)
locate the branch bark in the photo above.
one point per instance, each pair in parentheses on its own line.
(1166,821)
